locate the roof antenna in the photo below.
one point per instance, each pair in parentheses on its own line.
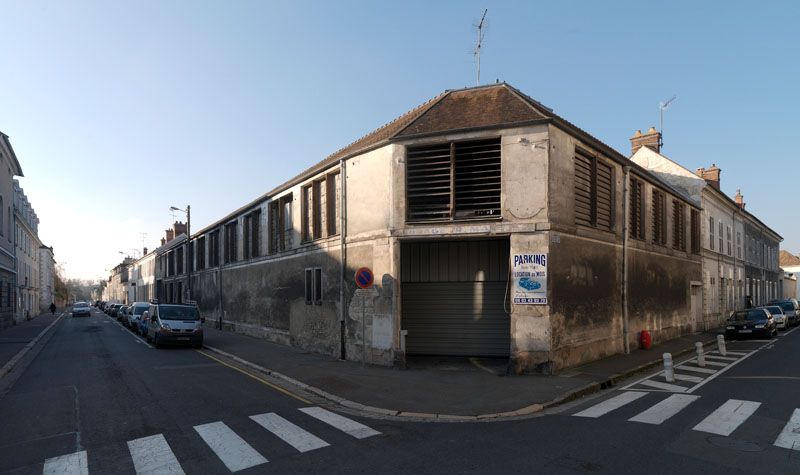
(477,52)
(661,107)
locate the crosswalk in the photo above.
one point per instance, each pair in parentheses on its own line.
(723,421)
(153,454)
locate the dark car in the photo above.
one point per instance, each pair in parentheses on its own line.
(81,309)
(751,322)
(114,311)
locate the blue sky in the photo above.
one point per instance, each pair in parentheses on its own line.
(119,110)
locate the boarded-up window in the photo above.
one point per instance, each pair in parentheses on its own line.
(200,244)
(213,249)
(636,218)
(231,242)
(454,180)
(307,212)
(179,260)
(280,223)
(678,225)
(695,218)
(320,210)
(252,234)
(659,218)
(594,191)
(332,190)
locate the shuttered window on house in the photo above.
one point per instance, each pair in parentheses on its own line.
(636,217)
(678,225)
(594,191)
(453,181)
(695,223)
(659,218)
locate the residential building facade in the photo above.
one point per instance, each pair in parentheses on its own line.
(47,273)
(9,168)
(27,246)
(142,280)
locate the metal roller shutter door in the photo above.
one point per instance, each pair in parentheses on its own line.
(453,295)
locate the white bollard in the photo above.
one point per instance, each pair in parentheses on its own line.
(721,345)
(669,372)
(701,358)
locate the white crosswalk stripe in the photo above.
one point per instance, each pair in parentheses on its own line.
(610,404)
(715,363)
(724,358)
(290,433)
(664,386)
(71,464)
(697,369)
(234,452)
(727,417)
(664,409)
(152,455)
(348,426)
(686,377)
(789,437)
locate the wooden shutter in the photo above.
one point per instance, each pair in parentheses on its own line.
(605,195)
(584,193)
(636,209)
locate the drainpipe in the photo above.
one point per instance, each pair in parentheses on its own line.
(343,258)
(626,206)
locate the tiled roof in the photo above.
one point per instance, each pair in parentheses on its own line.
(788,259)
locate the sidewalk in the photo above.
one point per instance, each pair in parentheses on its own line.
(453,388)
(14,338)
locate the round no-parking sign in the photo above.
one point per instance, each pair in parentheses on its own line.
(364,278)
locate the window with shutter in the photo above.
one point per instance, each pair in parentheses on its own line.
(636,209)
(594,191)
(584,191)
(695,222)
(678,225)
(659,218)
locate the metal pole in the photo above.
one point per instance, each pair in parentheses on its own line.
(189,249)
(343,258)
(625,231)
(363,328)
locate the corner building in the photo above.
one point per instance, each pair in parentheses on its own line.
(437,203)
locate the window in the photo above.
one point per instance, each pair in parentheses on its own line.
(171,263)
(280,223)
(252,233)
(455,180)
(636,218)
(678,225)
(320,213)
(721,249)
(738,245)
(729,240)
(230,242)
(200,244)
(313,286)
(594,191)
(659,218)
(711,233)
(332,190)
(213,248)
(179,260)
(695,223)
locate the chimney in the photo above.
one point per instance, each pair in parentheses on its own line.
(144,252)
(739,199)
(651,140)
(163,241)
(710,175)
(170,234)
(179,227)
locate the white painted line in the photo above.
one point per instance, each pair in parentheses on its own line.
(789,437)
(727,368)
(234,452)
(664,409)
(348,426)
(610,404)
(724,358)
(665,386)
(698,369)
(716,363)
(734,353)
(686,377)
(727,417)
(290,433)
(72,464)
(152,456)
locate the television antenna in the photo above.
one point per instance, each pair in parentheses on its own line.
(662,106)
(477,52)
(143,236)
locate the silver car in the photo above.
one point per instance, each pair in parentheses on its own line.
(134,316)
(780,318)
(174,323)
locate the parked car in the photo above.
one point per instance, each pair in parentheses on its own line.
(790,309)
(174,324)
(780,318)
(750,322)
(114,310)
(122,314)
(134,316)
(81,309)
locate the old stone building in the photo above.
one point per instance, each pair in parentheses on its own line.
(8,272)
(47,273)
(493,227)
(26,252)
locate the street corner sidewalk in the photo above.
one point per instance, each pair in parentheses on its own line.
(16,338)
(457,392)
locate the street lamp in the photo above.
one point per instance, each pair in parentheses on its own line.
(188,212)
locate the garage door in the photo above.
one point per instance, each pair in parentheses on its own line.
(453,294)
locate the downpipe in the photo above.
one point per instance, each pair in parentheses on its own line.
(625,231)
(343,259)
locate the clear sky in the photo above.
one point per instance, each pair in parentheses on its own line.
(119,110)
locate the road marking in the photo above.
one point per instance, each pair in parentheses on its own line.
(152,455)
(735,353)
(610,404)
(716,363)
(698,369)
(348,426)
(724,358)
(234,452)
(664,386)
(290,433)
(72,464)
(277,388)
(789,437)
(664,409)
(686,377)
(727,417)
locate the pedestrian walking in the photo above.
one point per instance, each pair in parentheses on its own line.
(53,308)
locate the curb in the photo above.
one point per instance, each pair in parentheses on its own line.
(21,353)
(524,411)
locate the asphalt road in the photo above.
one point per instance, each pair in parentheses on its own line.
(96,390)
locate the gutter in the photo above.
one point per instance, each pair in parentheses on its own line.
(625,231)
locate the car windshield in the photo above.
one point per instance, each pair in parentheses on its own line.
(81,304)
(787,305)
(775,310)
(748,315)
(140,309)
(178,312)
